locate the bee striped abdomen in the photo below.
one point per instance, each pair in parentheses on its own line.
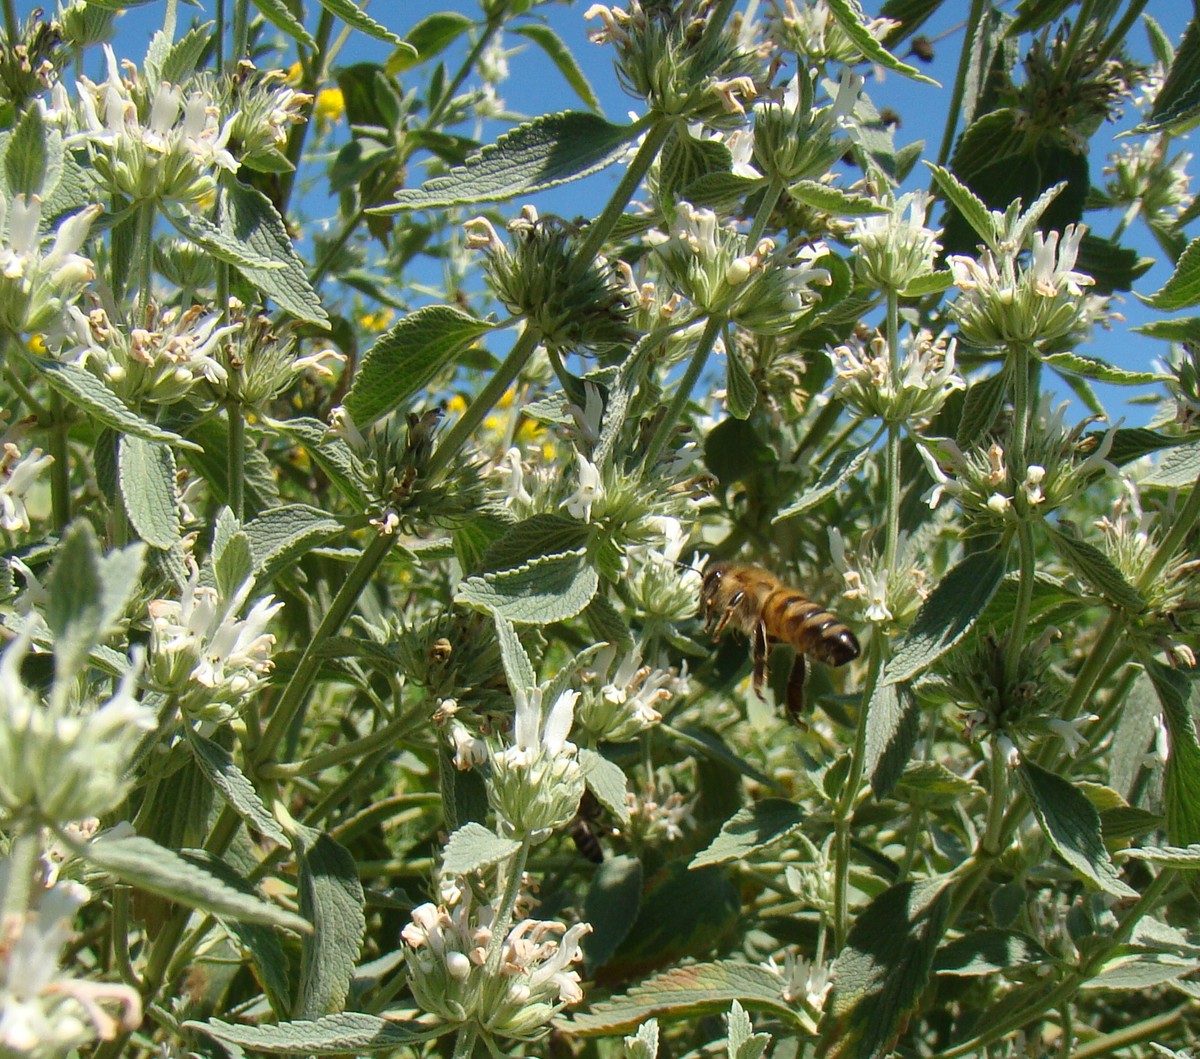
(794,618)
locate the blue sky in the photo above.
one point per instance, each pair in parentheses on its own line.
(536,86)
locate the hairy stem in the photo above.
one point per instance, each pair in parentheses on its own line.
(60,470)
(954,111)
(662,433)
(235,458)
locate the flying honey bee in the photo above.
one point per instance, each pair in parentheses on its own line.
(585,826)
(768,611)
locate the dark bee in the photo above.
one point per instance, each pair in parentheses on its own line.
(768,611)
(585,826)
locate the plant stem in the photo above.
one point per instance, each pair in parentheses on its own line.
(464,1041)
(1147,1030)
(292,701)
(601,228)
(1181,526)
(891,471)
(144,263)
(486,400)
(236,458)
(765,209)
(315,74)
(1026,578)
(508,901)
(658,442)
(1120,31)
(849,797)
(240,24)
(60,470)
(22,866)
(960,80)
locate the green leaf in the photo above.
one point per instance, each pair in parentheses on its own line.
(473,847)
(1177,105)
(146,472)
(970,205)
(355,16)
(542,534)
(429,37)
(850,18)
(218,766)
(87,594)
(550,150)
(743,1043)
(145,864)
(232,564)
(933,283)
(1141,971)
(268,962)
(280,16)
(1186,858)
(551,588)
(408,357)
(711,745)
(517,666)
(1132,443)
(1181,793)
(1178,469)
(332,455)
(684,992)
(183,57)
(893,724)
(988,951)
(1097,571)
(220,243)
(611,906)
(605,780)
(1100,370)
(749,830)
(1181,329)
(839,470)
(27,158)
(90,395)
(981,406)
(331,896)
(1182,288)
(282,535)
(247,217)
(1072,826)
(879,977)
(930,784)
(947,614)
(833,200)
(345,1033)
(740,389)
(550,42)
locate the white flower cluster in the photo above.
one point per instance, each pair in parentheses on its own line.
(514,996)
(621,697)
(63,761)
(202,651)
(896,248)
(923,380)
(45,1013)
(18,474)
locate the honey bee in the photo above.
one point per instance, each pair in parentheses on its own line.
(584,828)
(768,611)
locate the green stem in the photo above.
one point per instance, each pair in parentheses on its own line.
(219,37)
(765,209)
(997,800)
(849,797)
(240,24)
(144,262)
(236,458)
(662,433)
(1116,39)
(960,80)
(294,696)
(335,248)
(494,24)
(10,23)
(1181,526)
(1089,673)
(485,401)
(1080,26)
(315,72)
(60,470)
(508,901)
(22,868)
(892,452)
(600,229)
(1026,578)
(120,938)
(353,750)
(1151,1029)
(464,1041)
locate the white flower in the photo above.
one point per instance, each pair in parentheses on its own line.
(534,734)
(17,475)
(1069,731)
(590,490)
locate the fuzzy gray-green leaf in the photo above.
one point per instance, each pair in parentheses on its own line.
(1072,825)
(331,895)
(851,22)
(353,15)
(146,472)
(893,723)
(545,152)
(1097,571)
(408,358)
(517,666)
(739,386)
(282,535)
(222,772)
(551,588)
(145,864)
(947,615)
(280,16)
(840,469)
(348,1032)
(473,847)
(607,782)
(749,830)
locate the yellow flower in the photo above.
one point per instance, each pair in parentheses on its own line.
(457,404)
(293,75)
(376,321)
(330,106)
(36,344)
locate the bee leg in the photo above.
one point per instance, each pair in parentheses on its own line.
(730,608)
(759,656)
(795,690)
